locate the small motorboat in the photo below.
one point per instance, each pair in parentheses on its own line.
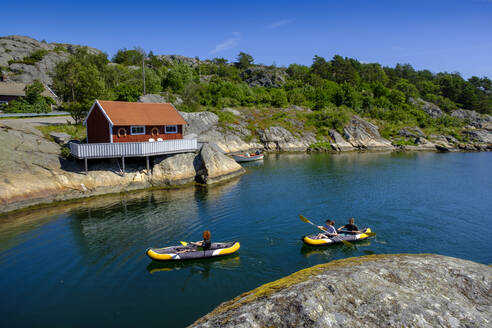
(245,158)
(189,252)
(312,240)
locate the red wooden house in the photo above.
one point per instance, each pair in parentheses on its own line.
(118,121)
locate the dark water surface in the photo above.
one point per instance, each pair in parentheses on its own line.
(85,264)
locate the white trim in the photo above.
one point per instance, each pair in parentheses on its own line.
(137,126)
(165,129)
(102,110)
(110,132)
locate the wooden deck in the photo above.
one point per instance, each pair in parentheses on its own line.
(132,149)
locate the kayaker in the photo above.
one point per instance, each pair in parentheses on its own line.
(257,152)
(205,243)
(351,227)
(330,230)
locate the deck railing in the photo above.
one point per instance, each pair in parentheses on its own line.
(132,149)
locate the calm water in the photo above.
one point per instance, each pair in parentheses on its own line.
(86,264)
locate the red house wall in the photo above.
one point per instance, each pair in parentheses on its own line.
(97,127)
(148,134)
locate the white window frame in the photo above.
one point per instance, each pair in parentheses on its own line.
(137,133)
(167,132)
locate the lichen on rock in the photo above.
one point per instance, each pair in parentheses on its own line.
(420,290)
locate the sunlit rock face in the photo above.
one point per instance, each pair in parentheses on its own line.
(370,291)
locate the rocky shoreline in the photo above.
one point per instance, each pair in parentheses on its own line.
(33,172)
(405,290)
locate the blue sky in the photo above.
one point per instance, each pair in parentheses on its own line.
(440,35)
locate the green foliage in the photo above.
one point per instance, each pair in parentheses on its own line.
(407,88)
(32,59)
(321,146)
(178,76)
(21,106)
(79,79)
(278,98)
(33,102)
(78,111)
(226,117)
(33,92)
(328,119)
(244,60)
(76,131)
(127,91)
(129,57)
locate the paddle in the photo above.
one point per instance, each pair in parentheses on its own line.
(370,234)
(184,243)
(346,243)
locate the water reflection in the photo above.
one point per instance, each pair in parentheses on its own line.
(201,267)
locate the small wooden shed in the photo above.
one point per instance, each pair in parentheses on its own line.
(119,121)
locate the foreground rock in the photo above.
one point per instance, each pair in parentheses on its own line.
(369,291)
(33,172)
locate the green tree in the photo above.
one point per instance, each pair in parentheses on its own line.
(342,70)
(321,67)
(244,60)
(127,91)
(298,72)
(33,92)
(178,76)
(407,88)
(373,73)
(129,57)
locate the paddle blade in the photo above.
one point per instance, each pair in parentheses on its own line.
(303,219)
(184,243)
(346,243)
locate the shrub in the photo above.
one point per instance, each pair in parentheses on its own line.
(327,119)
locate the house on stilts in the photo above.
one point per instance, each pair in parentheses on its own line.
(117,129)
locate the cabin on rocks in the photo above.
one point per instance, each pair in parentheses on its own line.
(118,129)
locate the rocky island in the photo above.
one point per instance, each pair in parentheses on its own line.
(370,291)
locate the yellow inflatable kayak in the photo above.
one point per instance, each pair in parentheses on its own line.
(177,253)
(312,240)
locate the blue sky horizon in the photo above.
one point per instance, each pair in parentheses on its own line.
(439,35)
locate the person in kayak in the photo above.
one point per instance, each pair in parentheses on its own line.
(205,243)
(330,230)
(351,227)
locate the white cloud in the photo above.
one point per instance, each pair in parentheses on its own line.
(227,44)
(280,23)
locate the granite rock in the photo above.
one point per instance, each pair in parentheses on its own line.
(362,134)
(371,291)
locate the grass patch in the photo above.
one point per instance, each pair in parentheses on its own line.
(321,146)
(32,59)
(76,131)
(404,142)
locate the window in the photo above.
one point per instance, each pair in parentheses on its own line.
(171,129)
(140,129)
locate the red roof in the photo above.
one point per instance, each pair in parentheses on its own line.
(137,113)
